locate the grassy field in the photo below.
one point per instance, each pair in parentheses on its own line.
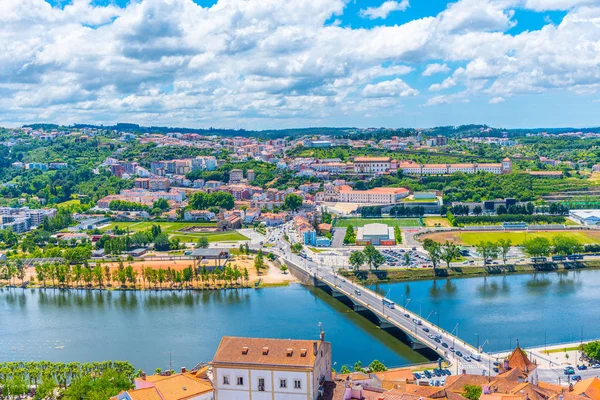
(167,227)
(173,228)
(358,222)
(74,202)
(517,237)
(436,221)
(231,236)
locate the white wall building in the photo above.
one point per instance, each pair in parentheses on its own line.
(371,165)
(270,369)
(586,217)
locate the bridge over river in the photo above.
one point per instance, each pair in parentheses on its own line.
(420,334)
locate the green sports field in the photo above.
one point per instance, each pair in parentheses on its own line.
(358,222)
(172,228)
(518,237)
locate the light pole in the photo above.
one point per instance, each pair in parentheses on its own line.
(477,334)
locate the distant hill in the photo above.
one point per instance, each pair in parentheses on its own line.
(461,131)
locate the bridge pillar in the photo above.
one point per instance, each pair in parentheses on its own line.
(337,294)
(385,324)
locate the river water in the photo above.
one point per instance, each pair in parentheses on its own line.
(153,329)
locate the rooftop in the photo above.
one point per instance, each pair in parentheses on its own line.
(281,352)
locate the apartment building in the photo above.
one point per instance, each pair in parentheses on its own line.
(372,165)
(345,194)
(271,369)
(412,168)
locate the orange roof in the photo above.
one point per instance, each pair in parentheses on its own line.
(518,359)
(588,387)
(144,394)
(371,159)
(291,353)
(402,374)
(499,396)
(179,387)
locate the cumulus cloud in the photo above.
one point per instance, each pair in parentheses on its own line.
(393,88)
(384,10)
(433,69)
(259,61)
(496,100)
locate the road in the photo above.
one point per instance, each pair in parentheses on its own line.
(398,316)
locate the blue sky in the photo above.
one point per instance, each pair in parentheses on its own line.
(281,63)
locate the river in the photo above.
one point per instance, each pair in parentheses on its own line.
(151,329)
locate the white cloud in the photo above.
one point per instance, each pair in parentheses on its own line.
(545,5)
(258,61)
(446,84)
(496,100)
(384,9)
(394,88)
(433,69)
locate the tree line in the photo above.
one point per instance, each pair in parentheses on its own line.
(70,381)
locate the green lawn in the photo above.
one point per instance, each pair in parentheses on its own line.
(167,227)
(172,228)
(230,236)
(74,202)
(358,222)
(517,238)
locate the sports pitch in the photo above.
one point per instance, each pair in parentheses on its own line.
(358,222)
(471,238)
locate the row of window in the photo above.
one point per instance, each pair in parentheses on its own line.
(261,383)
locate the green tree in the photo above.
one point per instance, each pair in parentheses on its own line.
(259,262)
(450,252)
(537,247)
(345,370)
(349,237)
(161,242)
(504,246)
(488,250)
(283,268)
(357,259)
(472,392)
(373,257)
(434,250)
(292,202)
(565,245)
(203,243)
(377,366)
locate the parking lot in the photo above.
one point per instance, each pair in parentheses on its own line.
(398,258)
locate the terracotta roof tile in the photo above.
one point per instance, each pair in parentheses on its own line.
(291,353)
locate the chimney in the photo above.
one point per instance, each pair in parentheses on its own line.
(183,370)
(143,376)
(303,352)
(315,348)
(245,350)
(290,352)
(265,351)
(322,336)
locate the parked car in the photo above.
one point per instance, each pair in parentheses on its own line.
(447,371)
(576,378)
(581,367)
(467,358)
(417,375)
(437,372)
(596,366)
(427,374)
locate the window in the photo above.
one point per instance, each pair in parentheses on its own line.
(261,384)
(225,380)
(297,384)
(240,381)
(283,383)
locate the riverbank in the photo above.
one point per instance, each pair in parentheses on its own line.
(240,273)
(417,274)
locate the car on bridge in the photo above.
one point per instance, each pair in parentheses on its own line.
(357,292)
(458,353)
(425,329)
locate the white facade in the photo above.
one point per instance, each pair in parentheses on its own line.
(270,374)
(371,165)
